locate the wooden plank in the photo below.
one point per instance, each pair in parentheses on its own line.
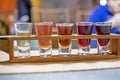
(4,44)
(11,48)
(54,36)
(114,46)
(74,36)
(64,59)
(118,47)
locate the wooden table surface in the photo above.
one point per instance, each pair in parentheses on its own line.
(11,68)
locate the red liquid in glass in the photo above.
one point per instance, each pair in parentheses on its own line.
(103,42)
(43,30)
(65,30)
(84,42)
(103,30)
(84,30)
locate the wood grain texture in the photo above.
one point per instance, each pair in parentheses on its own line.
(64,59)
(114,48)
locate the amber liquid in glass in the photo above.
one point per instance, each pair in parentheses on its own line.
(43,30)
(64,30)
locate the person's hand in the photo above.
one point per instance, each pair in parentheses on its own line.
(115,20)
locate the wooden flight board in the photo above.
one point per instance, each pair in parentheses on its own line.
(8,43)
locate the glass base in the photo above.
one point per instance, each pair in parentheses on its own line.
(23,53)
(45,52)
(103,50)
(64,51)
(84,51)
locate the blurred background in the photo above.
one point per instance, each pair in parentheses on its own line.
(12,11)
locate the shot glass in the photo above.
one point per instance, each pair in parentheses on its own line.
(23,46)
(45,45)
(84,28)
(103,28)
(64,44)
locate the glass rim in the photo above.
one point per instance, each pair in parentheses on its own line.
(23,23)
(41,23)
(65,24)
(103,23)
(84,23)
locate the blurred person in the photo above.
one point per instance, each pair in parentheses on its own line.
(108,13)
(24,10)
